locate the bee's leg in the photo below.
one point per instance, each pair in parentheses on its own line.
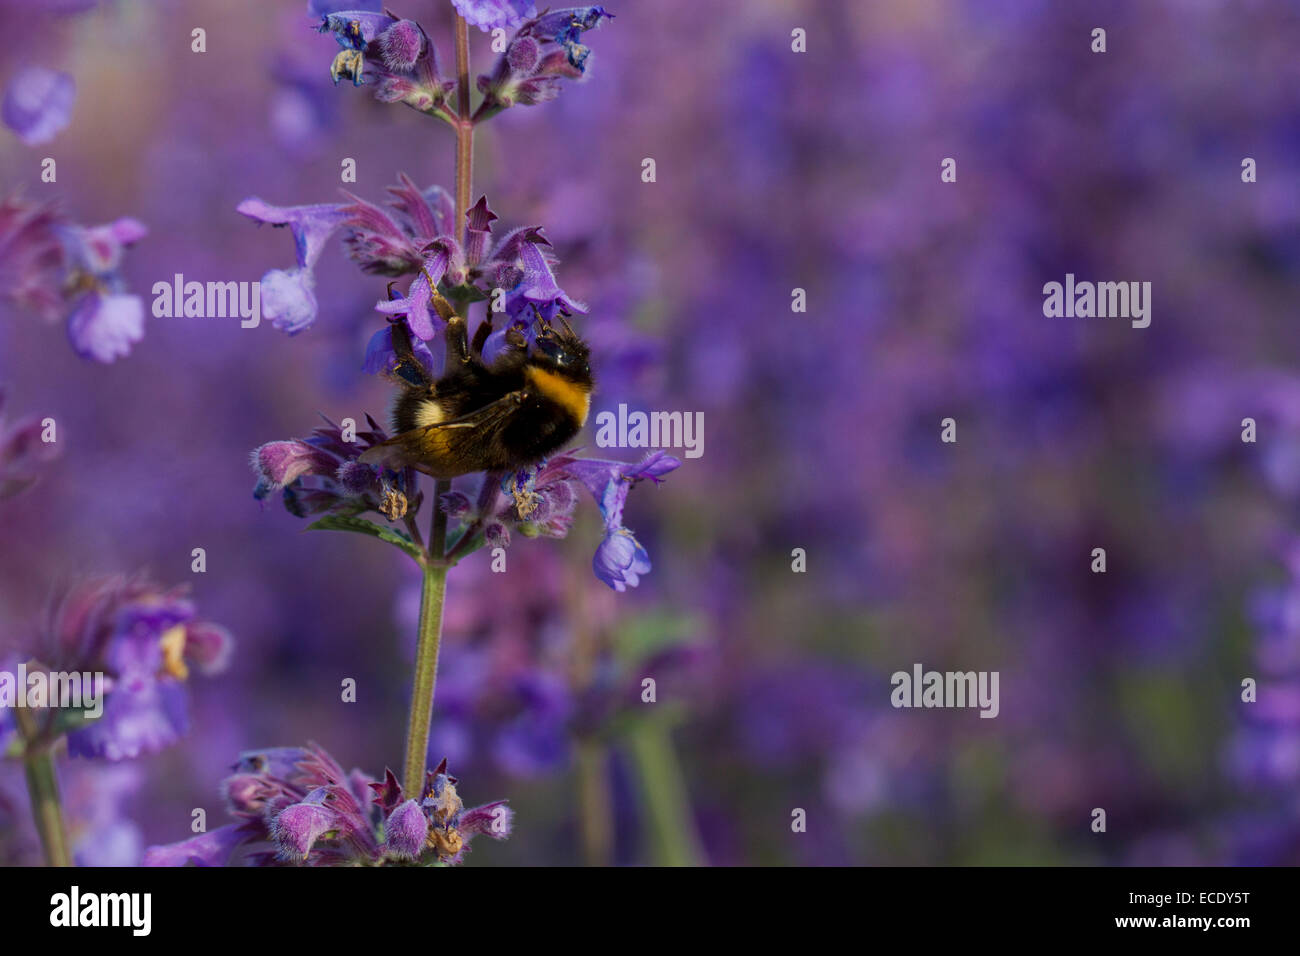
(481,335)
(457,332)
(457,336)
(515,354)
(409,368)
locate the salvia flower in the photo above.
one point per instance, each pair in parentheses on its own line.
(38,104)
(144,639)
(297,807)
(58,269)
(22,453)
(320,474)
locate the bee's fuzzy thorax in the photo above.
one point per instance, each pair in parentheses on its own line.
(570,394)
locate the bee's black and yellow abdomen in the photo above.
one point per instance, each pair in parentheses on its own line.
(512,414)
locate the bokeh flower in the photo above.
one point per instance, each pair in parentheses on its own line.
(144,639)
(56,268)
(297,807)
(23,453)
(38,103)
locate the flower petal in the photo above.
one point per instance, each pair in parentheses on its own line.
(288,299)
(104,327)
(206,849)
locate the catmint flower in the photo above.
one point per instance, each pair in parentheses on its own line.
(540,56)
(296,806)
(490,15)
(58,269)
(145,640)
(380,242)
(406,831)
(413,235)
(288,296)
(32,257)
(540,501)
(38,104)
(382,360)
(402,45)
(397,55)
(22,453)
(320,474)
(620,559)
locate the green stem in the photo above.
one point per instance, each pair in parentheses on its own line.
(597,812)
(663,786)
(426,677)
(434,589)
(465,126)
(43,788)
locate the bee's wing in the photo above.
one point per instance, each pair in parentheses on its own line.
(447,449)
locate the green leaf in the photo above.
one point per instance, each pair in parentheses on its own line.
(362,526)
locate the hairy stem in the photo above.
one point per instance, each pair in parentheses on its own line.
(670,823)
(434,588)
(43,789)
(426,677)
(465,128)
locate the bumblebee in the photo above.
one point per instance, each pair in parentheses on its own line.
(478,417)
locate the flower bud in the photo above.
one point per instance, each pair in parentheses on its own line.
(402,45)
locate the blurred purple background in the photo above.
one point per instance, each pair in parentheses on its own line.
(775,170)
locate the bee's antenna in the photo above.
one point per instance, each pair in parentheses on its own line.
(567,327)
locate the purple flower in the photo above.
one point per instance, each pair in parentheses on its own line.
(382,360)
(57,268)
(620,560)
(144,640)
(413,236)
(38,104)
(288,299)
(544,52)
(321,474)
(298,807)
(397,55)
(406,831)
(541,501)
(494,14)
(402,45)
(33,260)
(207,849)
(104,327)
(321,8)
(22,453)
